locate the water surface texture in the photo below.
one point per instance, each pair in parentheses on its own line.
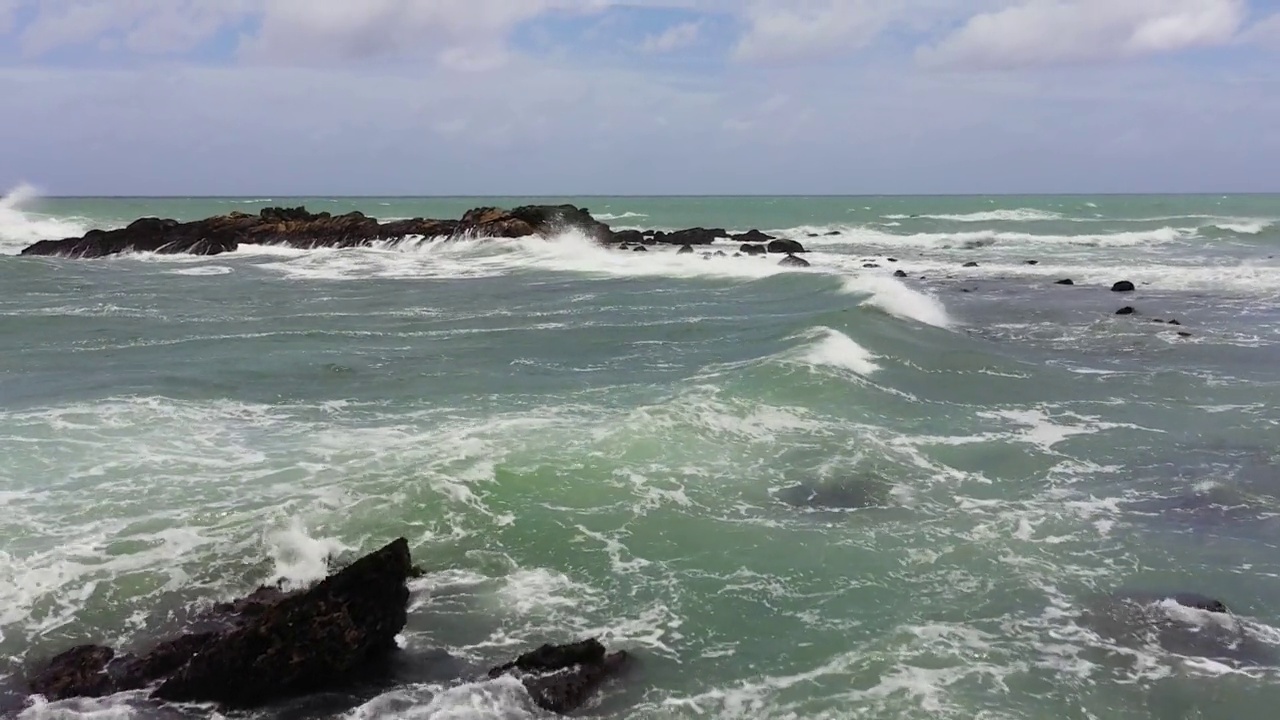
(580,441)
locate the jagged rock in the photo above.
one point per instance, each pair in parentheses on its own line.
(685,250)
(751,236)
(1065,281)
(561,678)
(793,261)
(1126,310)
(267,646)
(1123,286)
(692,236)
(296,227)
(752,249)
(785,246)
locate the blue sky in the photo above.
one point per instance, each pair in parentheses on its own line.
(487,97)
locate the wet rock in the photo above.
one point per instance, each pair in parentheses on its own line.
(1065,281)
(892,259)
(1185,623)
(639,248)
(870,266)
(1033,262)
(1126,310)
(832,233)
(624,247)
(1123,286)
(562,678)
(900,274)
(720,253)
(1174,322)
(629,236)
(785,246)
(793,261)
(692,236)
(751,236)
(1184,334)
(752,250)
(970,264)
(268,646)
(685,250)
(848,494)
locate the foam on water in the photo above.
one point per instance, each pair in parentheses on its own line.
(873,237)
(1015,215)
(833,348)
(20,228)
(1245,227)
(607,217)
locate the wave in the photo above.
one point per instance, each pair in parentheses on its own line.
(1245,227)
(895,298)
(20,228)
(833,348)
(607,217)
(983,238)
(1015,215)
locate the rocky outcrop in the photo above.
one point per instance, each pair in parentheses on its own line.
(269,646)
(296,227)
(751,236)
(561,678)
(691,236)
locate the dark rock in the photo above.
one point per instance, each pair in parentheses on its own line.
(685,250)
(649,233)
(1184,334)
(1067,281)
(1126,310)
(1174,322)
(852,494)
(624,247)
(639,248)
(1123,286)
(628,236)
(692,236)
(296,227)
(753,250)
(832,233)
(1033,262)
(870,265)
(793,261)
(561,678)
(751,236)
(812,234)
(970,264)
(900,273)
(785,246)
(267,646)
(892,259)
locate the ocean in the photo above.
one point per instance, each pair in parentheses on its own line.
(580,442)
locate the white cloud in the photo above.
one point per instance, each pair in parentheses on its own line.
(673,38)
(782,30)
(1039,32)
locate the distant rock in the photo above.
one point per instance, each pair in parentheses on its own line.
(1065,281)
(1033,262)
(970,264)
(685,250)
(1126,310)
(692,236)
(747,249)
(870,266)
(892,259)
(1174,322)
(561,678)
(785,246)
(629,236)
(899,273)
(1184,334)
(793,261)
(751,236)
(832,233)
(639,248)
(1123,286)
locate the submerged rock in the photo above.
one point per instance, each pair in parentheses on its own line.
(970,264)
(899,273)
(272,645)
(561,678)
(793,261)
(639,248)
(1126,310)
(1185,623)
(1123,286)
(1065,281)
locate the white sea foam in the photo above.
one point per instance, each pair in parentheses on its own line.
(832,348)
(873,237)
(1245,227)
(19,228)
(895,298)
(607,217)
(1014,215)
(299,558)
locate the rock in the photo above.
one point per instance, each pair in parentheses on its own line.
(685,250)
(899,273)
(1066,281)
(870,265)
(850,494)
(639,248)
(751,236)
(785,246)
(1174,322)
(1184,334)
(1123,286)
(892,259)
(752,250)
(832,233)
(692,236)
(561,678)
(268,646)
(624,247)
(1184,623)
(1126,310)
(628,236)
(793,261)
(970,264)
(296,227)
(1033,262)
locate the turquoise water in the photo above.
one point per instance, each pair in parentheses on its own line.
(580,441)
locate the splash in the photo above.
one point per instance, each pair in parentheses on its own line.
(835,349)
(898,300)
(20,228)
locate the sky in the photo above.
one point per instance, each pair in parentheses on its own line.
(601,97)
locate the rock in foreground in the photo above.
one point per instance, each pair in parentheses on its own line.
(296,227)
(561,678)
(276,647)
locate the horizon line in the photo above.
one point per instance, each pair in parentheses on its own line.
(274,197)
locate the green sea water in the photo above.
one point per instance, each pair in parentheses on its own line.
(587,442)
